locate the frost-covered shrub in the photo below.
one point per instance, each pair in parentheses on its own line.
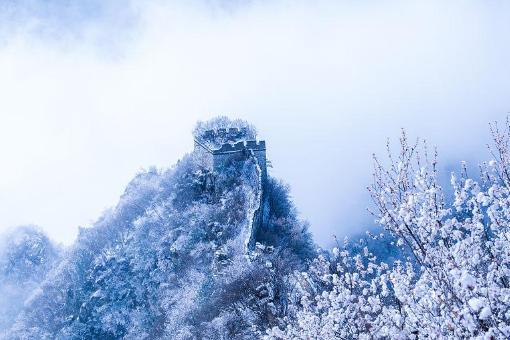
(455,280)
(344,297)
(284,229)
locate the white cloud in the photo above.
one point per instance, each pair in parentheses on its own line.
(325,81)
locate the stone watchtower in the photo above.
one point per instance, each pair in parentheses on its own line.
(217,148)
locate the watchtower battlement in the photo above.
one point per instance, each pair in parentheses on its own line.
(218,148)
(223,135)
(240,146)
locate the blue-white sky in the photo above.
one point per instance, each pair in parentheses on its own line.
(92,91)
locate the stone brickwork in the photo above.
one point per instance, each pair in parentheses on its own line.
(217,148)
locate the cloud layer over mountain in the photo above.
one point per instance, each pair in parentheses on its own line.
(92,91)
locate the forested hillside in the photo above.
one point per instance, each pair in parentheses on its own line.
(26,257)
(170,262)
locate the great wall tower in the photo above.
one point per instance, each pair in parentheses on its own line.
(216,149)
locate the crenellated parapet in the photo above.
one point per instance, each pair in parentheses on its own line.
(225,135)
(240,146)
(216,149)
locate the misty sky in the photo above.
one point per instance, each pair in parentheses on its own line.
(93,91)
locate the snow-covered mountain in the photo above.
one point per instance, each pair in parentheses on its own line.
(170,261)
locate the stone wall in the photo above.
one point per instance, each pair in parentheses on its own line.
(216,159)
(222,159)
(261,160)
(240,151)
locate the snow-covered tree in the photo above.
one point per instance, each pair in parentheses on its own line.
(454,282)
(26,256)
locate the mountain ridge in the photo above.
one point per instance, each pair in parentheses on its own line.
(169,261)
